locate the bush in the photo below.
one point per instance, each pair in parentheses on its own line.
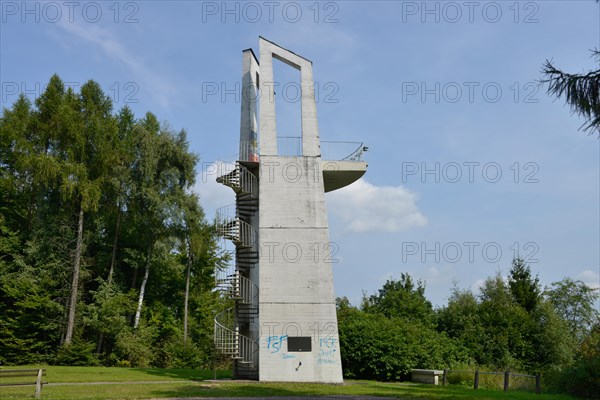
(386,349)
(134,347)
(77,354)
(175,354)
(583,378)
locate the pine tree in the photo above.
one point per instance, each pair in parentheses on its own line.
(581,91)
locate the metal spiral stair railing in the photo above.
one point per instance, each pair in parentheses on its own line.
(233,224)
(226,334)
(230,342)
(241,180)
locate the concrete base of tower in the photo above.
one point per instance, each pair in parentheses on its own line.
(301,343)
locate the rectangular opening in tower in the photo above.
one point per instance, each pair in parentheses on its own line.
(288,107)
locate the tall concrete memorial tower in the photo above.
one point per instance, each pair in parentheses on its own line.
(283,325)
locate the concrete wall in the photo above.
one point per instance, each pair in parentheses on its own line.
(295,276)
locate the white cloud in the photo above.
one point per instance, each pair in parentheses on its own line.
(368,208)
(477,285)
(213,194)
(156,83)
(590,278)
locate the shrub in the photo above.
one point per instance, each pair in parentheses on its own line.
(376,347)
(134,347)
(77,354)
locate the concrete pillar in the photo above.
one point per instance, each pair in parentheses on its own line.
(249,99)
(298,325)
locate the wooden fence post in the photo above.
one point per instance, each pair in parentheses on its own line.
(445,377)
(506,379)
(38,385)
(538,384)
(476,384)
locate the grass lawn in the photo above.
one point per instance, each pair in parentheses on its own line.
(193,386)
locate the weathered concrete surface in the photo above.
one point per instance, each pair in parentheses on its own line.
(295,278)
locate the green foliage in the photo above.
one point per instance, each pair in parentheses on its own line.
(133,347)
(580,91)
(524,289)
(77,353)
(574,302)
(401,299)
(68,161)
(461,319)
(175,354)
(374,346)
(583,377)
(500,332)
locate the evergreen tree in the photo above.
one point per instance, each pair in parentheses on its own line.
(581,91)
(524,289)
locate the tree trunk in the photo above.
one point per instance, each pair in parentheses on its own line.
(134,278)
(187,292)
(75,279)
(114,250)
(138,312)
(111,271)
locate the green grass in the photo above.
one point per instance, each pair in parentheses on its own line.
(57,374)
(194,387)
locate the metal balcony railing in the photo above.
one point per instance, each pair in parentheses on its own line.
(291,146)
(342,151)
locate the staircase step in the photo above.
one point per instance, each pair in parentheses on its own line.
(246,257)
(246,264)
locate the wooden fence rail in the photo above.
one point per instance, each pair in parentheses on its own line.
(507,375)
(15,377)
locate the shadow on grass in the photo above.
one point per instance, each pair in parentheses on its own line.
(184,374)
(351,388)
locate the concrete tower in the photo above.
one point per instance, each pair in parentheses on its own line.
(283,326)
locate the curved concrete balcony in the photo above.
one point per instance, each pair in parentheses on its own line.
(339,174)
(341,162)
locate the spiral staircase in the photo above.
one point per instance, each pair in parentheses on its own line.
(233,335)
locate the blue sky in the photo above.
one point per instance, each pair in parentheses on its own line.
(470,161)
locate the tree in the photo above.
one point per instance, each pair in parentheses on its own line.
(87,200)
(401,298)
(194,246)
(86,153)
(460,319)
(581,91)
(162,173)
(374,346)
(524,289)
(574,302)
(583,378)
